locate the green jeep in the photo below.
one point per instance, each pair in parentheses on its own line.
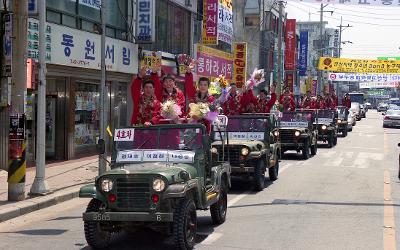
(327,127)
(160,175)
(297,132)
(251,148)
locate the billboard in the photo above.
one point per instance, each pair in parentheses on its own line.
(346,65)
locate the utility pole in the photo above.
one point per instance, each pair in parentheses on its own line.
(17,166)
(341,28)
(40,186)
(103,89)
(321,44)
(280,31)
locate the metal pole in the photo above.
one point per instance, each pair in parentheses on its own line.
(340,36)
(103,89)
(279,87)
(319,82)
(40,185)
(17,168)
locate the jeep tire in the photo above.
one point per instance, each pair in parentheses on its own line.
(185,225)
(344,133)
(334,140)
(330,141)
(314,149)
(218,210)
(306,150)
(259,176)
(96,237)
(274,171)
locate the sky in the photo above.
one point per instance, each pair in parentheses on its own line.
(375,31)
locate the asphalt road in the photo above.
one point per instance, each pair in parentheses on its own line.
(343,198)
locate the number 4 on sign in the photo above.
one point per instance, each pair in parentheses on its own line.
(124,134)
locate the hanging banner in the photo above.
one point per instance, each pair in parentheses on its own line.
(225,21)
(145,29)
(303,54)
(8,45)
(378,85)
(358,65)
(359,77)
(210,22)
(314,86)
(240,62)
(336,43)
(290,44)
(384,3)
(289,81)
(212,62)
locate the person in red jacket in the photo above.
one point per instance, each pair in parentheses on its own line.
(329,103)
(172,92)
(307,101)
(148,106)
(264,106)
(232,105)
(320,102)
(287,101)
(346,101)
(334,99)
(248,101)
(202,94)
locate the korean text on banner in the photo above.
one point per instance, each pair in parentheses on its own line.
(314,87)
(240,62)
(212,62)
(358,65)
(290,81)
(210,22)
(303,52)
(225,21)
(290,44)
(363,77)
(380,85)
(384,3)
(145,30)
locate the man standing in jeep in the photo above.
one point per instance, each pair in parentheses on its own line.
(263,105)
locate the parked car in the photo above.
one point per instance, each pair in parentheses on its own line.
(382,107)
(355,107)
(352,120)
(368,105)
(391,118)
(363,111)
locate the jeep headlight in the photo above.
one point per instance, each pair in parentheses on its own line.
(158,185)
(339,121)
(297,133)
(276,133)
(214,150)
(324,127)
(106,185)
(245,151)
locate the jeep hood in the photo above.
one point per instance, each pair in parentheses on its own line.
(250,144)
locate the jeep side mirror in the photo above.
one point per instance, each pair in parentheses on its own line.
(101,146)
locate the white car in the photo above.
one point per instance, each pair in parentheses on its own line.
(356,109)
(391,118)
(351,121)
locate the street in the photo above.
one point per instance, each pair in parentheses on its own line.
(347,197)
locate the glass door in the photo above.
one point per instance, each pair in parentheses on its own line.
(51,105)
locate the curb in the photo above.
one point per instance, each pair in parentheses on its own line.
(37,203)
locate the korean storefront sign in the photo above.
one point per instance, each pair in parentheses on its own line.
(382,85)
(357,77)
(210,22)
(145,29)
(384,3)
(95,4)
(303,54)
(240,62)
(71,47)
(358,65)
(33,40)
(290,44)
(225,21)
(212,62)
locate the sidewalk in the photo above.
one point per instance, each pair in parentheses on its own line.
(64,179)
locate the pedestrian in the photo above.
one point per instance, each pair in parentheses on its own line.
(264,105)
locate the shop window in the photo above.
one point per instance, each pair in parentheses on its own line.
(53,17)
(86,115)
(66,6)
(69,21)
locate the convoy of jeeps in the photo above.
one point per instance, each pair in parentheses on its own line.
(162,175)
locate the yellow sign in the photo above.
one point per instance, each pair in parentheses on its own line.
(150,58)
(358,65)
(239,63)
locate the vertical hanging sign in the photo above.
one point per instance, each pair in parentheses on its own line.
(239,63)
(8,45)
(145,21)
(303,53)
(225,21)
(290,44)
(210,22)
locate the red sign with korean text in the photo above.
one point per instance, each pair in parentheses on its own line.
(212,62)
(290,81)
(290,44)
(210,22)
(240,61)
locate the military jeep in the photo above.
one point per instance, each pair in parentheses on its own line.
(160,175)
(327,128)
(297,132)
(342,120)
(251,148)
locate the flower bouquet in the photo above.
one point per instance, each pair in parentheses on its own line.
(170,110)
(256,78)
(200,111)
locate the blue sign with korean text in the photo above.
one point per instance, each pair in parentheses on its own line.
(145,21)
(303,53)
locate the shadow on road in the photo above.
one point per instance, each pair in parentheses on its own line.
(41,232)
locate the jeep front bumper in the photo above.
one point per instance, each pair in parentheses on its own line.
(128,216)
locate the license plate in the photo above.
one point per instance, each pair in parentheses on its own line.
(101,217)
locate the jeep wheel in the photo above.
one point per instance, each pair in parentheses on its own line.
(218,209)
(344,133)
(274,171)
(334,140)
(185,225)
(96,237)
(306,150)
(314,149)
(259,176)
(330,141)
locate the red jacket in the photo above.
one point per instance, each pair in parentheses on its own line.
(248,102)
(346,102)
(287,101)
(149,111)
(320,104)
(177,96)
(329,103)
(232,105)
(265,107)
(307,103)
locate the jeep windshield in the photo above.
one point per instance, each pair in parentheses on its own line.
(245,128)
(325,116)
(342,112)
(296,119)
